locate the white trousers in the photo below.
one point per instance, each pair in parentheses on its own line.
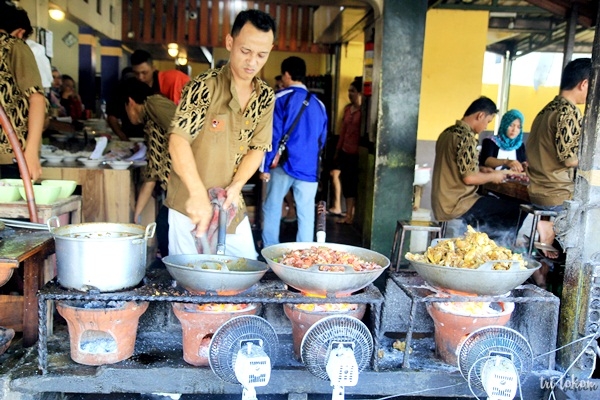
(182,241)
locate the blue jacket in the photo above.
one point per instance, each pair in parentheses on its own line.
(308,138)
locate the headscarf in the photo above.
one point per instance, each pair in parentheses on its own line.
(503,141)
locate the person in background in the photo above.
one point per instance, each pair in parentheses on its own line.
(21,94)
(507,149)
(116,115)
(347,149)
(457,176)
(300,169)
(219,135)
(278,83)
(168,83)
(69,98)
(154,113)
(553,148)
(54,95)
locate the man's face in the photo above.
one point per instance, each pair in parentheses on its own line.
(143,72)
(483,120)
(249,50)
(133,114)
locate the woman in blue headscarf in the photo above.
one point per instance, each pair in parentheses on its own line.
(506,150)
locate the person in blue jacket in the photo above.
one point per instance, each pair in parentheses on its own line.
(298,166)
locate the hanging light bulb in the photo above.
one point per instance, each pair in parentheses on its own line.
(182,60)
(173,49)
(56,13)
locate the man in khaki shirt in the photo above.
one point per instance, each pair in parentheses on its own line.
(457,176)
(221,130)
(553,148)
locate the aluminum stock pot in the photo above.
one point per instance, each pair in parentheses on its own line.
(102,256)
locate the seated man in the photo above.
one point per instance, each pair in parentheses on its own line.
(457,176)
(553,147)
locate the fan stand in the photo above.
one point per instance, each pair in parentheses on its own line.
(337,348)
(240,352)
(495,359)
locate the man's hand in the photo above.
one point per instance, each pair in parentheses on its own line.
(265,176)
(200,211)
(33,163)
(233,195)
(496,176)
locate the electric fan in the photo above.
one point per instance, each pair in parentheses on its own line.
(337,348)
(241,351)
(496,360)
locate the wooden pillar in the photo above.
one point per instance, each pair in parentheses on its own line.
(570,34)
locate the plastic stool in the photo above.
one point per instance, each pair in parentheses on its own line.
(433,228)
(537,215)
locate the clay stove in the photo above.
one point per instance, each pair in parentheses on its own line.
(101,332)
(303,316)
(200,321)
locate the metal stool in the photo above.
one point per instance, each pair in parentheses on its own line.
(537,215)
(433,228)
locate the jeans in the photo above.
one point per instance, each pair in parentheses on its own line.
(304,197)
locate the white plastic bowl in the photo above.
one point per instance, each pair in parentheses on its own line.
(89,162)
(114,164)
(53,159)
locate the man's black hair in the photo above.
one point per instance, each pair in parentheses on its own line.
(135,89)
(13,18)
(66,77)
(482,104)
(576,71)
(141,56)
(296,67)
(261,21)
(127,73)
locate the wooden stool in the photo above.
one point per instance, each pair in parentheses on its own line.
(537,215)
(433,228)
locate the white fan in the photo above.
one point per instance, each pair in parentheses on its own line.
(241,351)
(496,360)
(337,348)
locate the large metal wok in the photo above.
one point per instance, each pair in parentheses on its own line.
(203,273)
(483,281)
(313,281)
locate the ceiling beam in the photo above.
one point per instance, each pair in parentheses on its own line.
(562,8)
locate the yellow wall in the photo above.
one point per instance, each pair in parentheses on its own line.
(455,42)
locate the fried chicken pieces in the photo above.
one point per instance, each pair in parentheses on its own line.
(469,251)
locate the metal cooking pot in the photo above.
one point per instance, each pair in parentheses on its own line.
(202,273)
(322,283)
(483,282)
(103,256)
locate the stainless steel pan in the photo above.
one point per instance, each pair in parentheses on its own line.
(322,283)
(202,273)
(482,281)
(206,273)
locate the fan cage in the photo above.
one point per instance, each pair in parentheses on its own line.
(225,343)
(478,346)
(335,328)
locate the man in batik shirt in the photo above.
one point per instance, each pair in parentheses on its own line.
(221,130)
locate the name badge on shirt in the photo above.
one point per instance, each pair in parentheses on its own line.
(217,124)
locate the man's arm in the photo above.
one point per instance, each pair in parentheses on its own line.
(114,124)
(198,206)
(35,125)
(481,178)
(248,166)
